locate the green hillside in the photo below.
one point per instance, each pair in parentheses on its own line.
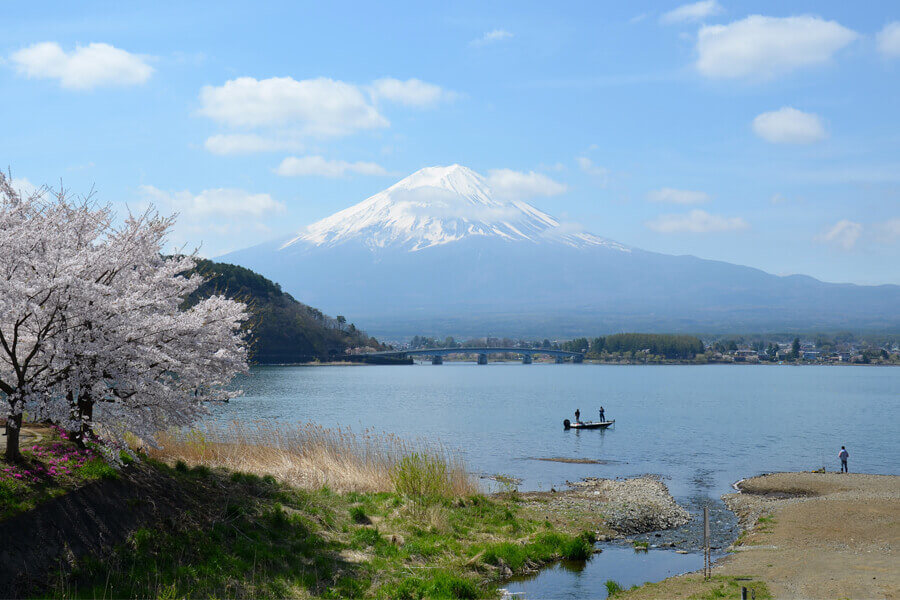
(283,330)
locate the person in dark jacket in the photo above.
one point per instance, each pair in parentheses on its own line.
(577,416)
(602,414)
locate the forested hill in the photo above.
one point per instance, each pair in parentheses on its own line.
(283,329)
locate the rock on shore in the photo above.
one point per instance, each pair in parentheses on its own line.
(627,506)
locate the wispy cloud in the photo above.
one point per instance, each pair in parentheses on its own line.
(673,196)
(889,40)
(690,13)
(412,92)
(601,174)
(696,221)
(220,202)
(490,37)
(517,185)
(844,234)
(293,166)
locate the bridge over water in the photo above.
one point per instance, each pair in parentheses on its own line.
(437,354)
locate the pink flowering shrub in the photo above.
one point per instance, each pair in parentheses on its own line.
(50,469)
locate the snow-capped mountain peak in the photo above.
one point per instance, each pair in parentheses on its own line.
(441,205)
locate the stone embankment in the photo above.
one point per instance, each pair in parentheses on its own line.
(625,506)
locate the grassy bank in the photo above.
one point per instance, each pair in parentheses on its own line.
(257,537)
(414,527)
(52,465)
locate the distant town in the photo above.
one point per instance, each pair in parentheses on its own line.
(633,348)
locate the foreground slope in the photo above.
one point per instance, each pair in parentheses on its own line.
(439,252)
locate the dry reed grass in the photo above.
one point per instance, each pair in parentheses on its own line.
(310,456)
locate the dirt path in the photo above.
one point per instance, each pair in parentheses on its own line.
(28,435)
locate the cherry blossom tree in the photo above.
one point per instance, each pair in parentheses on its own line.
(92,330)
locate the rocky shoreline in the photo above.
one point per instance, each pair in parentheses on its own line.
(622,506)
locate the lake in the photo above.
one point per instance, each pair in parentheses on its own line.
(700,427)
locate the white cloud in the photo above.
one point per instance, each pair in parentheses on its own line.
(844,234)
(293,166)
(516,185)
(496,35)
(24,187)
(673,196)
(249,143)
(689,13)
(220,202)
(889,40)
(696,221)
(412,92)
(320,107)
(760,47)
(588,166)
(789,126)
(84,68)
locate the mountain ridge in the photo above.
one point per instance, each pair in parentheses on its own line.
(440,205)
(412,260)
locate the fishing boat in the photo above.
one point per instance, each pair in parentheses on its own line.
(567,424)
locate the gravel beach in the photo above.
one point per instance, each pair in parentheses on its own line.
(624,506)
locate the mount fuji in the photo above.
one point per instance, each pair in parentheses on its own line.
(440,253)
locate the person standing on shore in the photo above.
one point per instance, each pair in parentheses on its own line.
(577,415)
(843,455)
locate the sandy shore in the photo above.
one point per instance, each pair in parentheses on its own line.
(809,535)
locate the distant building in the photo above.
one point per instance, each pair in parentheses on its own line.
(746,356)
(810,354)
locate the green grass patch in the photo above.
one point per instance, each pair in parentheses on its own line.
(543,548)
(242,535)
(422,477)
(49,469)
(613,588)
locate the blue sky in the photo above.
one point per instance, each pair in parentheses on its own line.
(762,133)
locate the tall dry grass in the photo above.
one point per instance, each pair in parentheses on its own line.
(311,456)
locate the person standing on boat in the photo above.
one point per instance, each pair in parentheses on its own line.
(844,455)
(602,414)
(577,416)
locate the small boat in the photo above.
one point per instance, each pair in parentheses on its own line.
(587,424)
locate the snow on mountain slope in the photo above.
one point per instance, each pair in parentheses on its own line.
(441,205)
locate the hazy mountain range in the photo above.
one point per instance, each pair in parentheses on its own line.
(438,253)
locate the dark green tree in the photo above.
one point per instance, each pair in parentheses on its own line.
(795,349)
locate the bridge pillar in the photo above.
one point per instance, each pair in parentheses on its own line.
(560,360)
(527,359)
(437,359)
(482,359)
(578,359)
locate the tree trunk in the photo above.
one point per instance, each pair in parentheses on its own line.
(13,427)
(86,412)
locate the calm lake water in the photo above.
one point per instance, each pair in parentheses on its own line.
(700,427)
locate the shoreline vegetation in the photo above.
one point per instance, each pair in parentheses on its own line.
(256,510)
(253,510)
